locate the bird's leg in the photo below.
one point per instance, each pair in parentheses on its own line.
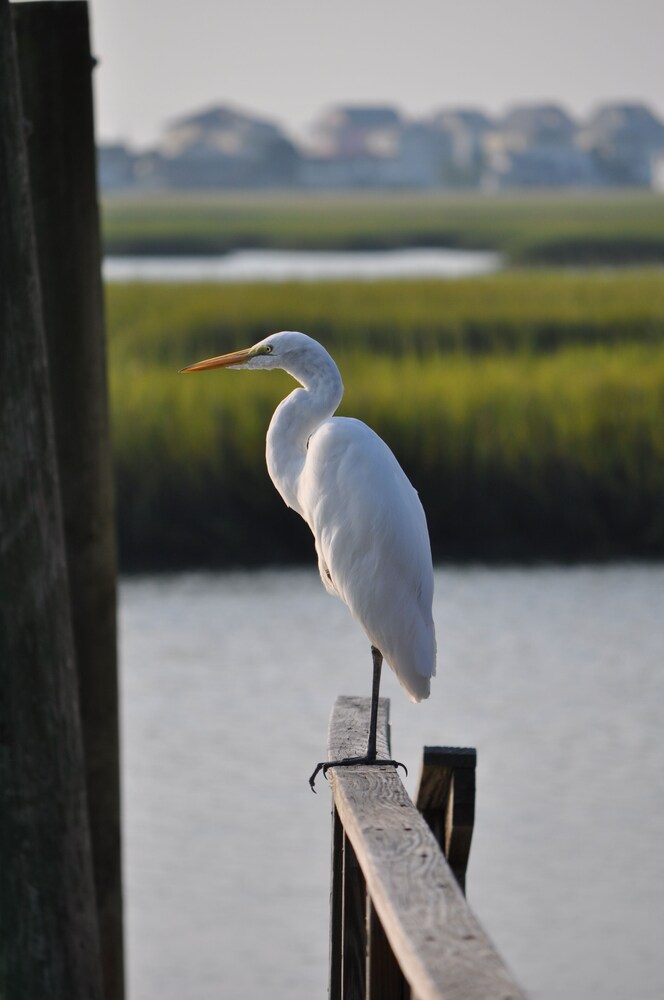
(375,688)
(371,756)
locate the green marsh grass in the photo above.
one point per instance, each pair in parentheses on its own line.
(527,409)
(512,311)
(533,228)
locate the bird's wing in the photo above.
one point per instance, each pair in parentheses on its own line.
(373,544)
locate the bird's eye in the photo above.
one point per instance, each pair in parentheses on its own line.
(268,348)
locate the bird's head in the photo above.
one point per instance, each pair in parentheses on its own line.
(287,350)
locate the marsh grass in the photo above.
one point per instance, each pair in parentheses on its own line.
(557,228)
(527,410)
(513,311)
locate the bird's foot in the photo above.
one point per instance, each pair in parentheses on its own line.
(365,761)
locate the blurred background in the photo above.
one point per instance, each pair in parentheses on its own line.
(465,204)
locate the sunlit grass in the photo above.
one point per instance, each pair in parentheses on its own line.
(513,311)
(532,446)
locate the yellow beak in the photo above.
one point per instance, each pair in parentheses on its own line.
(223,361)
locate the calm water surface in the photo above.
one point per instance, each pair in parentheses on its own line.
(305,265)
(555,675)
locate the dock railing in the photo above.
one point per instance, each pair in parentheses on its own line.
(400,926)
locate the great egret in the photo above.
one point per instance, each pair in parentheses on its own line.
(370,530)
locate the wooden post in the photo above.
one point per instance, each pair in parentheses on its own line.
(49,946)
(362,963)
(336,907)
(354,928)
(55,69)
(385,980)
(435,939)
(446,798)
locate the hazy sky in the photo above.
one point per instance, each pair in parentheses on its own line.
(287,59)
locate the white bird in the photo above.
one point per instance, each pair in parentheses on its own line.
(367,520)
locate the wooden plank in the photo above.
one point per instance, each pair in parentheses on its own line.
(336,906)
(446,798)
(354,932)
(56,83)
(49,946)
(385,980)
(442,949)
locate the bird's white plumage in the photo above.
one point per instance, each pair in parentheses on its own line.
(367,520)
(372,540)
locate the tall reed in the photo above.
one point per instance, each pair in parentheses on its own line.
(532,446)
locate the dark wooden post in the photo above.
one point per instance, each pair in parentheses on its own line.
(354,927)
(348,920)
(336,906)
(49,946)
(362,964)
(55,69)
(446,798)
(385,980)
(417,920)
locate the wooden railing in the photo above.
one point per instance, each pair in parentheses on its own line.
(400,926)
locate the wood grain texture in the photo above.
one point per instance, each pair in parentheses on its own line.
(56,84)
(354,927)
(336,907)
(49,946)
(385,980)
(446,798)
(442,949)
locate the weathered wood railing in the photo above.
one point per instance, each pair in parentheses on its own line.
(400,926)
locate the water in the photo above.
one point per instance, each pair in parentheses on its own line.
(555,675)
(303,265)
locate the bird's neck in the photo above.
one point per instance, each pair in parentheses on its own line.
(294,421)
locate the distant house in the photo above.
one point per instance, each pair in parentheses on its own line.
(222,147)
(357,130)
(535,146)
(624,140)
(657,171)
(539,166)
(459,135)
(374,146)
(537,125)
(365,146)
(115,167)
